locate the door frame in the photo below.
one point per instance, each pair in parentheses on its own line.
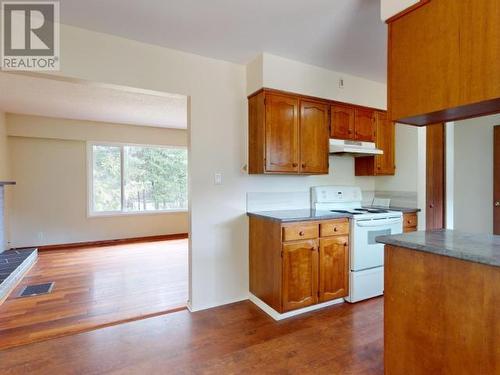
(435,211)
(496,180)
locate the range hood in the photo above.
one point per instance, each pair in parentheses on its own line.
(354,148)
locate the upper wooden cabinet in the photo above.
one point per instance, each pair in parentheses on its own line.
(282,134)
(313,150)
(352,123)
(342,122)
(385,164)
(479,50)
(364,125)
(288,134)
(444,62)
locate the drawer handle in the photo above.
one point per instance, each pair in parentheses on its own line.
(301,233)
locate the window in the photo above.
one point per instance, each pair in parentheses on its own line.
(133,178)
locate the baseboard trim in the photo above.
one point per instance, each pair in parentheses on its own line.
(278,316)
(121,241)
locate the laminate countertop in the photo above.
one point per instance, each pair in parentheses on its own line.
(478,248)
(289,216)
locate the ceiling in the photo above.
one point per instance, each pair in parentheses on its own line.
(342,35)
(52,97)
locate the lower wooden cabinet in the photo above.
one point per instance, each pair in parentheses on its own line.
(410,222)
(333,268)
(295,265)
(300,274)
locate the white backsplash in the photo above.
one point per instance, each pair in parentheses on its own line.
(406,199)
(301,200)
(278,201)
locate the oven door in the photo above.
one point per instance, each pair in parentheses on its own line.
(365,251)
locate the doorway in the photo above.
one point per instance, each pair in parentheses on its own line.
(102,192)
(496,180)
(435,176)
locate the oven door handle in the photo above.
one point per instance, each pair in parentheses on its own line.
(376,223)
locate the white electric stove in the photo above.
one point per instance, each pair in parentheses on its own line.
(366,256)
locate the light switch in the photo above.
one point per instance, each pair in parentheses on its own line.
(218,178)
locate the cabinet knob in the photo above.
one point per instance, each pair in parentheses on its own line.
(497,204)
(294,165)
(301,233)
(334,229)
(303,165)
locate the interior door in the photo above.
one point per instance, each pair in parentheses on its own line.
(341,122)
(364,125)
(300,274)
(496,180)
(385,134)
(313,137)
(436,164)
(333,268)
(282,133)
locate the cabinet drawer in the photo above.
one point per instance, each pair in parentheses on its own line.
(410,220)
(300,232)
(334,228)
(409,229)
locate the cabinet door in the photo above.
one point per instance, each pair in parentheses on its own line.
(282,133)
(300,274)
(479,50)
(424,60)
(385,140)
(342,122)
(364,125)
(313,137)
(333,268)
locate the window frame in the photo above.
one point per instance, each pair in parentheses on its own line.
(90,181)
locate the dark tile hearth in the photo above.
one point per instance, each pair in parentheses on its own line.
(13,265)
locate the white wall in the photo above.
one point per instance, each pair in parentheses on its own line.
(405,178)
(284,74)
(49,163)
(218,143)
(473,185)
(390,8)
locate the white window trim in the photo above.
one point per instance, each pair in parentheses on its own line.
(90,182)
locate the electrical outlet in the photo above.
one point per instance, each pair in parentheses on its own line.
(218,178)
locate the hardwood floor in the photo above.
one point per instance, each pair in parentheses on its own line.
(95,287)
(232,339)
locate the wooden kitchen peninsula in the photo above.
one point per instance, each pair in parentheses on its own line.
(442,303)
